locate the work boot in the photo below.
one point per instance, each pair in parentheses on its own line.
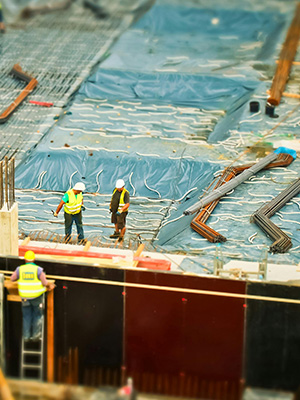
(115,235)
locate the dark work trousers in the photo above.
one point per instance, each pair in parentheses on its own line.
(69,219)
(32,310)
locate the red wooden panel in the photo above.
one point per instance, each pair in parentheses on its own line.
(143,262)
(187,336)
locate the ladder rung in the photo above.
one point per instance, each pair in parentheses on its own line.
(31,366)
(32,352)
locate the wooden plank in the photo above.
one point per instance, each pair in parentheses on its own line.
(87,246)
(286,59)
(5,393)
(25,241)
(50,336)
(13,297)
(138,253)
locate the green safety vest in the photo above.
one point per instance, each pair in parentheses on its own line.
(74,204)
(29,284)
(121,202)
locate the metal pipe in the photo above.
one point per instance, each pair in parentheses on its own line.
(228,186)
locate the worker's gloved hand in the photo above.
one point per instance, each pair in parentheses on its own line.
(83,208)
(118,213)
(55,214)
(51,286)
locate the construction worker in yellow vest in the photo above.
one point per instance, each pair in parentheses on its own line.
(2,26)
(73,204)
(119,204)
(32,284)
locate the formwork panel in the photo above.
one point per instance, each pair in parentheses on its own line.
(181,343)
(272,339)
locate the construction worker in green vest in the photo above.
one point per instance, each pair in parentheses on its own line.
(119,209)
(32,284)
(72,202)
(2,26)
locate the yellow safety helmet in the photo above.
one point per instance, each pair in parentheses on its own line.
(29,256)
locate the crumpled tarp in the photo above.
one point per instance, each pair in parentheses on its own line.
(205,92)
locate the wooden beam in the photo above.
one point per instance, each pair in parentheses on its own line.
(25,241)
(139,250)
(138,253)
(5,393)
(286,59)
(50,336)
(87,246)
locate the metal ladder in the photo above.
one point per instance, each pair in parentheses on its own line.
(32,355)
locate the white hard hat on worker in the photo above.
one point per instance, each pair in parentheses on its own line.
(120,183)
(79,186)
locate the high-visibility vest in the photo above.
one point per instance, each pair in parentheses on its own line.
(73,206)
(121,201)
(29,284)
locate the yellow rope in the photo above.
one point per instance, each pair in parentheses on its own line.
(170,289)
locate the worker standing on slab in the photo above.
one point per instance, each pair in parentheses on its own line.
(32,284)
(119,208)
(2,26)
(73,204)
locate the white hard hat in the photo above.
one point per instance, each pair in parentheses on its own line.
(79,186)
(120,183)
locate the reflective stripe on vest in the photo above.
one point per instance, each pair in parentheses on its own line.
(121,201)
(29,284)
(73,206)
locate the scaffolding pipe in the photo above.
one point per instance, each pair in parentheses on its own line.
(228,186)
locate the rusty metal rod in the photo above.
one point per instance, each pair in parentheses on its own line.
(286,59)
(6,179)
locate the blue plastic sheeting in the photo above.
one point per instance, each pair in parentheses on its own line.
(139,119)
(147,174)
(195,265)
(182,89)
(198,40)
(169,20)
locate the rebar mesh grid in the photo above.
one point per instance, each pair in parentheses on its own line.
(59,50)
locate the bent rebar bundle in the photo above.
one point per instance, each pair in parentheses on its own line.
(262,216)
(228,186)
(198,223)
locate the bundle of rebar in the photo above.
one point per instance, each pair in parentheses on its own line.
(282,242)
(228,186)
(7,183)
(198,223)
